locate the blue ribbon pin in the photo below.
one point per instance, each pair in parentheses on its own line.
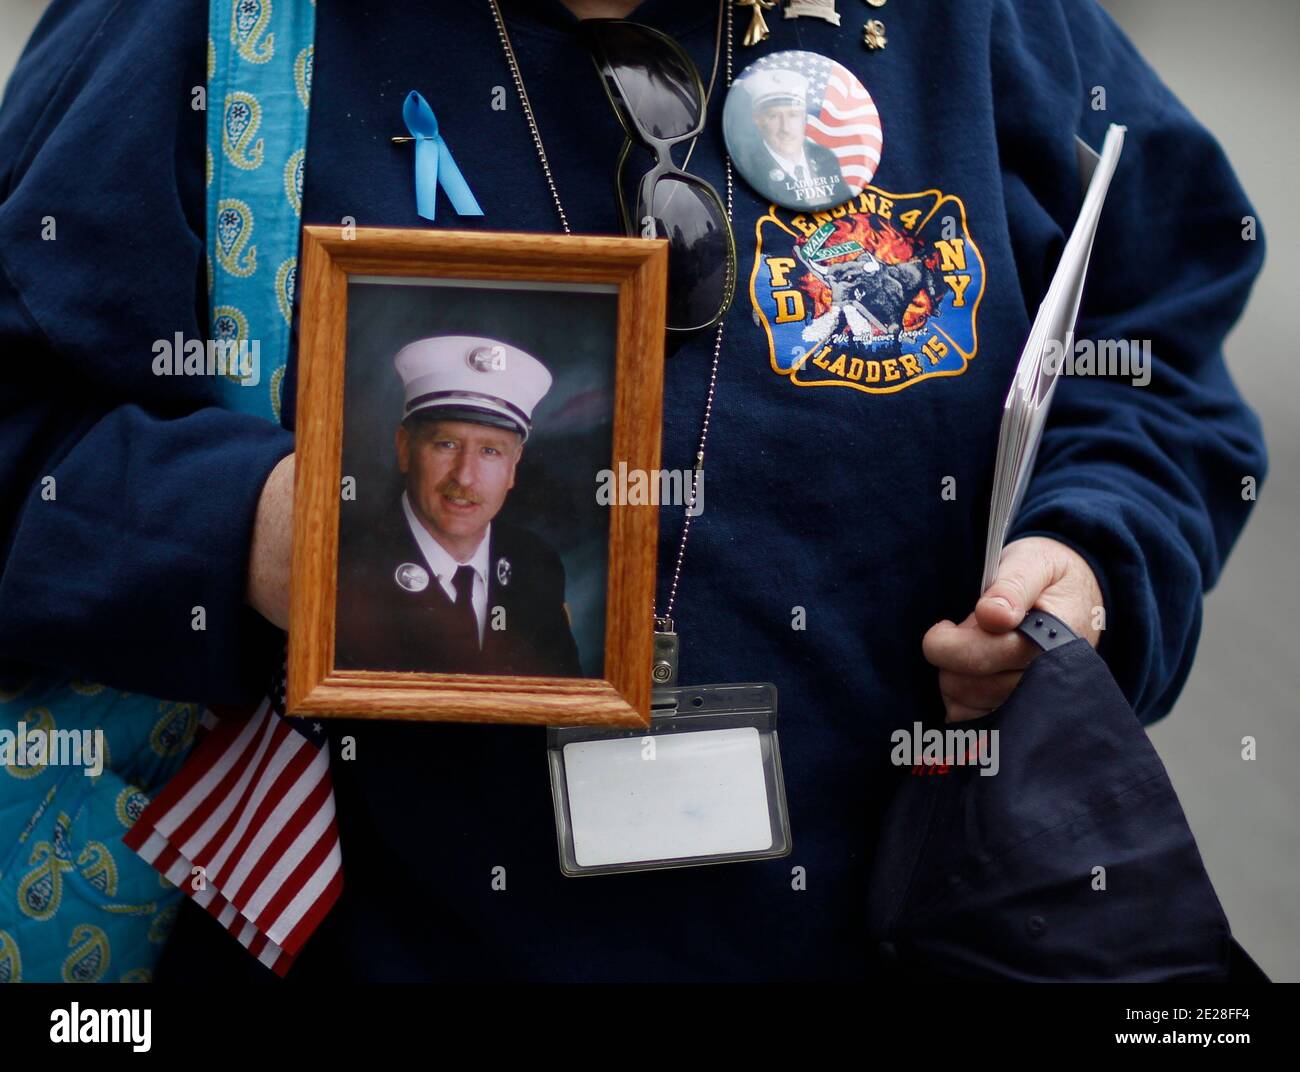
(434,163)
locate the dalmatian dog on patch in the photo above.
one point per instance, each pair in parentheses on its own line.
(869,296)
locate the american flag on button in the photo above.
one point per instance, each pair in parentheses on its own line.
(841,114)
(247,829)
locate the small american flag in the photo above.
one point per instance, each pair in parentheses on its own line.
(841,114)
(253,811)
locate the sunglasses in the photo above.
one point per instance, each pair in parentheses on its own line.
(658,95)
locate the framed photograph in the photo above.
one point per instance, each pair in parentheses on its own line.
(462,399)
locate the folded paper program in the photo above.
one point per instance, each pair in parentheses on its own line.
(1025,410)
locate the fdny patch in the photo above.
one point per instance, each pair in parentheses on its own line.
(877,294)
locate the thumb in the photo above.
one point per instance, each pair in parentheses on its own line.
(1026,569)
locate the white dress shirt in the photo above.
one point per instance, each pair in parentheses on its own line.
(443,566)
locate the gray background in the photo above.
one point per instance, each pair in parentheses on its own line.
(574,334)
(1234,65)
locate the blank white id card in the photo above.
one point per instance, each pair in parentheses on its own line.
(702,785)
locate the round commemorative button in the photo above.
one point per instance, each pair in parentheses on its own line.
(412,577)
(802,130)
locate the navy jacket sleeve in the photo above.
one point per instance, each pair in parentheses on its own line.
(1145,481)
(126,499)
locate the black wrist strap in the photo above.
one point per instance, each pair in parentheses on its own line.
(1046,630)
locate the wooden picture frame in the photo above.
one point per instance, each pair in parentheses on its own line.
(331,256)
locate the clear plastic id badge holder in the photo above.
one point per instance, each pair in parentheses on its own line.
(701,785)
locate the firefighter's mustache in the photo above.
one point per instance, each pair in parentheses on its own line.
(452,490)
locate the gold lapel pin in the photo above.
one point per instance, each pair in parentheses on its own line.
(758,30)
(873,35)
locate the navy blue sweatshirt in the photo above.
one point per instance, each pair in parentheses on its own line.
(828,499)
